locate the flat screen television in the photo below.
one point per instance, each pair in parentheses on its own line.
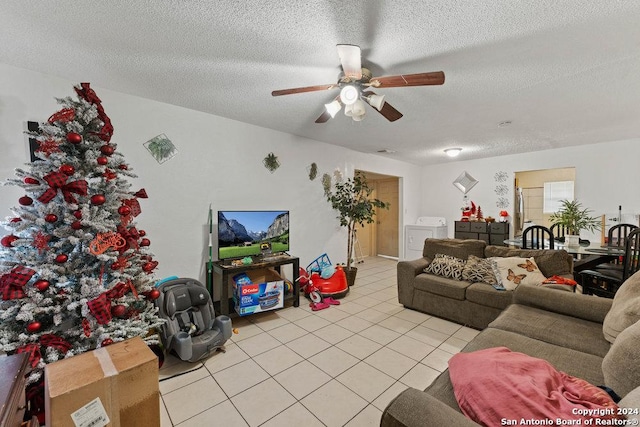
(252,233)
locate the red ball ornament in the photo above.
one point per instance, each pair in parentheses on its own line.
(124,210)
(153,294)
(115,265)
(34,327)
(42,285)
(51,217)
(77,214)
(119,310)
(105,342)
(123,167)
(145,242)
(102,160)
(98,199)
(142,233)
(74,138)
(147,267)
(107,150)
(7,241)
(29,180)
(67,169)
(61,258)
(76,225)
(25,201)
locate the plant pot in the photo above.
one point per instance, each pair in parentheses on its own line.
(351,275)
(571,240)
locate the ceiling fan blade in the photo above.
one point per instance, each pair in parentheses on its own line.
(303,89)
(387,110)
(420,79)
(350,59)
(324,117)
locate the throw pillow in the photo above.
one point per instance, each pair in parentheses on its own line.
(479,270)
(625,309)
(514,271)
(446,266)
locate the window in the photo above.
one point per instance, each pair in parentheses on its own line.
(554,192)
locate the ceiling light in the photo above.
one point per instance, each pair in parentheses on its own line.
(349,94)
(453,152)
(358,118)
(376,101)
(333,107)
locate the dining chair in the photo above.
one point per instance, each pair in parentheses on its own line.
(559,231)
(617,237)
(605,282)
(533,237)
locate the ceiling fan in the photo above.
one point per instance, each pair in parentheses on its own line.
(355,85)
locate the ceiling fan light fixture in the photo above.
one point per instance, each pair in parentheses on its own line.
(333,107)
(348,110)
(359,108)
(359,117)
(453,152)
(349,94)
(376,101)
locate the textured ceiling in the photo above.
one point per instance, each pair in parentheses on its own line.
(564,73)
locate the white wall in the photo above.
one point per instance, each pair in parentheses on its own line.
(219,162)
(607,175)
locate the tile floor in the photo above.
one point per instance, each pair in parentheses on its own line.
(334,367)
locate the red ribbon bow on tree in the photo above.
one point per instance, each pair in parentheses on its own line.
(131,236)
(51,340)
(100,306)
(12,283)
(64,115)
(58,181)
(89,95)
(33,350)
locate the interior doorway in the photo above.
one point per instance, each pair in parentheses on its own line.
(381,238)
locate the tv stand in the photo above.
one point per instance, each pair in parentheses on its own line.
(223,271)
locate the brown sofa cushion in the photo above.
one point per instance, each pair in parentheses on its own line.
(439,285)
(619,365)
(550,261)
(459,248)
(625,309)
(488,296)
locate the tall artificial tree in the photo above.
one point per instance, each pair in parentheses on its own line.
(75,272)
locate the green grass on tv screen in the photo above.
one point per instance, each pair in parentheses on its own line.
(253,249)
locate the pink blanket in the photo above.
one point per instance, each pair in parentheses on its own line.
(497,387)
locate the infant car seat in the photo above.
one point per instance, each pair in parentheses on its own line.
(192,329)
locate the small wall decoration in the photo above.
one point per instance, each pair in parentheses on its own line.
(271,162)
(326,183)
(465,182)
(501,189)
(161,148)
(313,171)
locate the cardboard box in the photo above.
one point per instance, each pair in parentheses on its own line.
(123,376)
(264,292)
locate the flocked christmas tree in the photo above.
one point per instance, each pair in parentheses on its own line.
(75,272)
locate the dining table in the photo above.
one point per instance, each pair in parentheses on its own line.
(586,255)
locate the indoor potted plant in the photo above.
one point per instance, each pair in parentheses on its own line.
(575,218)
(352,199)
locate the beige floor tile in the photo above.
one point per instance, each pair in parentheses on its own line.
(332,314)
(441,325)
(333,333)
(367,301)
(420,376)
(355,324)
(334,404)
(262,402)
(351,307)
(240,377)
(308,345)
(438,359)
(369,416)
(278,359)
(465,333)
(359,346)
(268,320)
(165,420)
(396,324)
(333,361)
(379,334)
(302,379)
(365,380)
(258,344)
(427,336)
(219,361)
(287,333)
(412,315)
(245,330)
(388,308)
(295,415)
(312,323)
(223,414)
(293,314)
(391,362)
(373,316)
(181,404)
(453,345)
(410,347)
(181,374)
